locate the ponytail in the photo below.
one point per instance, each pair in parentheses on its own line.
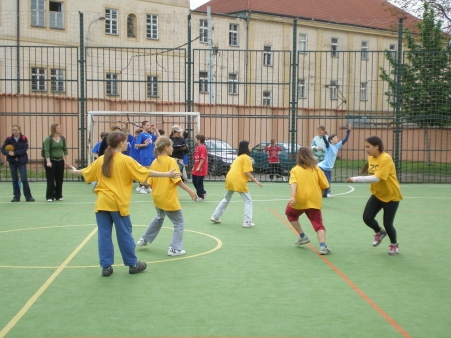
(114,140)
(161,143)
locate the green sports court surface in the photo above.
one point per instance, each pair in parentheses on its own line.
(233,282)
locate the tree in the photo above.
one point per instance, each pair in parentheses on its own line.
(426,77)
(414,7)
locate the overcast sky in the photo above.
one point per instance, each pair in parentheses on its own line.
(196,3)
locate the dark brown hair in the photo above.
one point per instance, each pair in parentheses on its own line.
(201,138)
(305,158)
(114,140)
(374,141)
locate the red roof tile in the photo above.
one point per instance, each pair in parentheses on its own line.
(377,14)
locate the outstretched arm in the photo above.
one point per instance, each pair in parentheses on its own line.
(170,174)
(347,134)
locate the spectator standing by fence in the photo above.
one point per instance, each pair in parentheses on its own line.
(55,151)
(273,151)
(15,148)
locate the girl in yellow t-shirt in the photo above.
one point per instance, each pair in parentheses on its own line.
(114,173)
(307,182)
(166,198)
(236,181)
(385,190)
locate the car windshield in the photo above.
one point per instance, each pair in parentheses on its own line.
(288,147)
(214,145)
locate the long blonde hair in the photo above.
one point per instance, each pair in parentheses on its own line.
(161,143)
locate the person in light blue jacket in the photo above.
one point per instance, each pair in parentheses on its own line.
(332,148)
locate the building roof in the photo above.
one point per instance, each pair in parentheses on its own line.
(376,14)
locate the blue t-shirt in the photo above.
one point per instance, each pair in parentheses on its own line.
(96,148)
(146,152)
(331,153)
(134,152)
(130,140)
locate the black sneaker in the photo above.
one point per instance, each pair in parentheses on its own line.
(15,200)
(140,266)
(107,272)
(31,199)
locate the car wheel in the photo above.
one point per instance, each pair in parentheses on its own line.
(216,169)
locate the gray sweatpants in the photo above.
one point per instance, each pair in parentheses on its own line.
(155,225)
(246,196)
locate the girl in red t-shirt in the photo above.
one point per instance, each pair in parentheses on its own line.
(200,167)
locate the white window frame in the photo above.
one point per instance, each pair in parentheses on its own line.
(152,86)
(363,91)
(57,80)
(267,98)
(267,56)
(111,21)
(203,31)
(56,19)
(303,43)
(334,43)
(233,34)
(302,89)
(203,82)
(365,48)
(38,14)
(112,84)
(233,84)
(152,26)
(333,90)
(392,49)
(38,79)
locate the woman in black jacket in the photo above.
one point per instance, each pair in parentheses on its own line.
(180,148)
(15,148)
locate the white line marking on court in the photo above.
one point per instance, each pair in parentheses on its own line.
(345,193)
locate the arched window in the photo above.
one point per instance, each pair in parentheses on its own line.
(131,26)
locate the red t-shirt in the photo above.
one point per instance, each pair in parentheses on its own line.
(199,153)
(273,153)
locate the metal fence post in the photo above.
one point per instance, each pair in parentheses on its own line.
(82,97)
(397,131)
(294,103)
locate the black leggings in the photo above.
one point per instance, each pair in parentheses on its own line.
(373,206)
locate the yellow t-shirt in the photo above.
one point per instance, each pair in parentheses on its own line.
(236,179)
(310,182)
(164,189)
(115,192)
(383,167)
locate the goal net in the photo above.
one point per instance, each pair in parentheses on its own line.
(103,121)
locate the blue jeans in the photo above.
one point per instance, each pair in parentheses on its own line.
(198,182)
(15,167)
(328,174)
(105,220)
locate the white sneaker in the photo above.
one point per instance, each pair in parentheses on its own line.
(199,199)
(302,241)
(149,190)
(284,179)
(324,250)
(142,242)
(328,196)
(174,252)
(49,200)
(59,199)
(215,220)
(138,188)
(248,225)
(143,190)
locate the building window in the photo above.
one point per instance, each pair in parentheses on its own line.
(391,97)
(233,83)
(363,91)
(131,26)
(111,21)
(112,84)
(38,79)
(303,43)
(203,82)
(38,13)
(266,98)
(57,80)
(152,26)
(56,15)
(334,47)
(333,90)
(233,34)
(393,50)
(267,56)
(365,55)
(301,89)
(152,86)
(203,31)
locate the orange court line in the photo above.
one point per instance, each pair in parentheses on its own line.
(384,315)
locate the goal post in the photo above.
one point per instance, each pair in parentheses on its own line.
(102,121)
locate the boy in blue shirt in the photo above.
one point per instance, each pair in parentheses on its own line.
(146,144)
(332,148)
